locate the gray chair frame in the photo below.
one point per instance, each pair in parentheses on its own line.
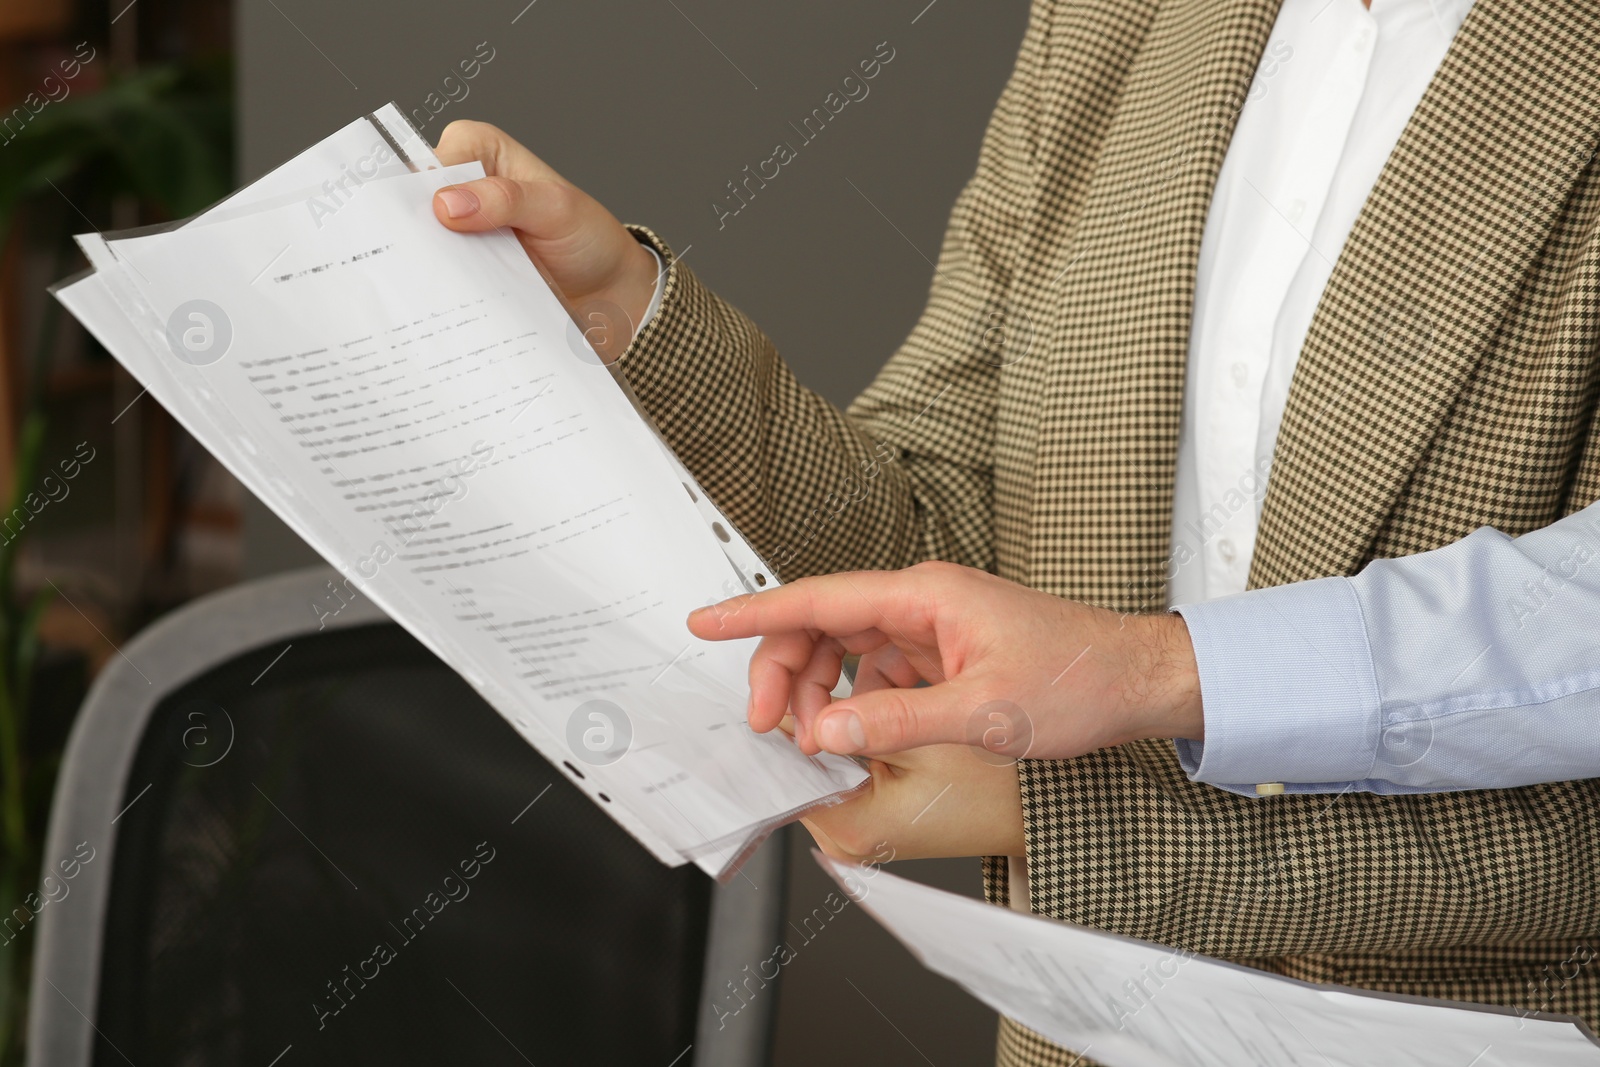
(746,913)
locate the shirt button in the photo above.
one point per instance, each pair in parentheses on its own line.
(1270,789)
(1364,39)
(1297,210)
(1241,375)
(1226,550)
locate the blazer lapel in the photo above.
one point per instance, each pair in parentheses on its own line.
(1461,209)
(1122,287)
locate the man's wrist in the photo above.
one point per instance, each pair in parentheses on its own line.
(1164,679)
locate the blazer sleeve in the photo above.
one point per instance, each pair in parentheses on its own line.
(906,473)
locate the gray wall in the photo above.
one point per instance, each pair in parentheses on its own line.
(653,107)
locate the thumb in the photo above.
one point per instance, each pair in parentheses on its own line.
(892,720)
(544,209)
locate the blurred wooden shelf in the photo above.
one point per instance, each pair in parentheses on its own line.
(33,18)
(213,517)
(69,381)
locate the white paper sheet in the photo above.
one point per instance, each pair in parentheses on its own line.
(416,405)
(1131,1003)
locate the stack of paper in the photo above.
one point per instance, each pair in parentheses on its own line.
(417,405)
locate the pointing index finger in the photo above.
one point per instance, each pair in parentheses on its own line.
(835,604)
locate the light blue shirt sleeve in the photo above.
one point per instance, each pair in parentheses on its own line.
(1475,666)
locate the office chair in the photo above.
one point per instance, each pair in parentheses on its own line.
(296,837)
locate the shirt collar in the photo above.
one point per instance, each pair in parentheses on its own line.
(1450,14)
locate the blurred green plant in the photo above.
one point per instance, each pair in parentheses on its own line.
(163,134)
(163,137)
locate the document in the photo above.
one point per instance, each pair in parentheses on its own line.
(1131,1003)
(417,405)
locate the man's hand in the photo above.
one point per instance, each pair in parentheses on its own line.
(1011,670)
(601,273)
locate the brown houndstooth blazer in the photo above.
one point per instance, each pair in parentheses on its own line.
(1448,382)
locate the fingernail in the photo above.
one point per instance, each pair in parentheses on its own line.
(842,733)
(458,202)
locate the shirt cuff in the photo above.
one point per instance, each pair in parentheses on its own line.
(1288,688)
(661,287)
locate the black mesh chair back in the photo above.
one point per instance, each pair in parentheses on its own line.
(321,846)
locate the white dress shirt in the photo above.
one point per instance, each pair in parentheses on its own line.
(1468,667)
(1334,89)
